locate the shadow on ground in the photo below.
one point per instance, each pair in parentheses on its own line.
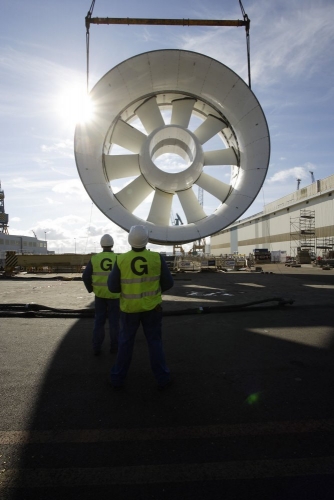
(231,371)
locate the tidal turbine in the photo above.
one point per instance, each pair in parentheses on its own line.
(190,86)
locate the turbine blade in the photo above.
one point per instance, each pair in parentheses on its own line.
(120,166)
(192,209)
(213,186)
(128,137)
(220,157)
(134,193)
(210,127)
(149,114)
(161,208)
(181,111)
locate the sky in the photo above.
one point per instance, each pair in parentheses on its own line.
(43,74)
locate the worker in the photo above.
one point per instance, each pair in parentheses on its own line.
(95,278)
(140,276)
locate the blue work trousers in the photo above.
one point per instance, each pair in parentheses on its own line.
(106,309)
(130,322)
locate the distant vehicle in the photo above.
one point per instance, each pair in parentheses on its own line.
(261,254)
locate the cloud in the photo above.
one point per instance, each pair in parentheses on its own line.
(72,233)
(30,185)
(300,172)
(65,146)
(93,231)
(71,187)
(171,163)
(52,202)
(295,42)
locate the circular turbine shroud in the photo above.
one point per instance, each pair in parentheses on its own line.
(190,84)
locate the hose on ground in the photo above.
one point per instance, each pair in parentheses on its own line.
(32,310)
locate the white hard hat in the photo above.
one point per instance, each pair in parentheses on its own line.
(138,236)
(107,241)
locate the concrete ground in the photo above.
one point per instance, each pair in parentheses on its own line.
(250,413)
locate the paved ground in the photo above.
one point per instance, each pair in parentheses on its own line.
(250,414)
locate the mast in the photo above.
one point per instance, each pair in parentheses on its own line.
(3,215)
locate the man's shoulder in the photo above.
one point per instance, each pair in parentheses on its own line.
(154,254)
(124,254)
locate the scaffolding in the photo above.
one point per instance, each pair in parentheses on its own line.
(302,235)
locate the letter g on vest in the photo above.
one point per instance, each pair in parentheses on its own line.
(139,269)
(106,264)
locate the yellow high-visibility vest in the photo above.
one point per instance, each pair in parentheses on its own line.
(140,281)
(102,264)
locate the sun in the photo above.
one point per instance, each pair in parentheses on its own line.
(74,106)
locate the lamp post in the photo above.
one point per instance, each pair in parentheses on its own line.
(75,245)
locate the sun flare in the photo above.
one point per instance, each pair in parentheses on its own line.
(74,106)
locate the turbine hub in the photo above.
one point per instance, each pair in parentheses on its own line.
(176,140)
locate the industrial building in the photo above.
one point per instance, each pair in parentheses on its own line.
(21,245)
(301,221)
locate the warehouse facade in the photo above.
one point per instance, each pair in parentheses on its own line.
(21,245)
(302,218)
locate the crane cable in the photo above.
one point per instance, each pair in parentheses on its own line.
(247,20)
(87,21)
